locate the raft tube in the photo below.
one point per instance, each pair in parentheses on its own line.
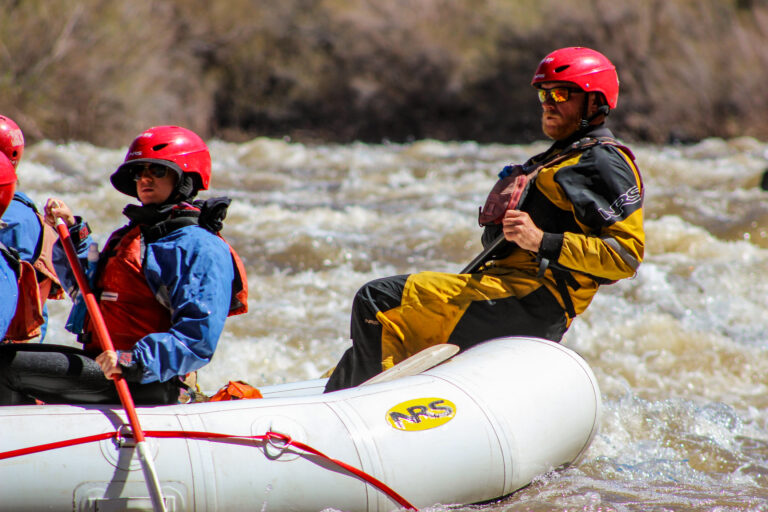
(474,428)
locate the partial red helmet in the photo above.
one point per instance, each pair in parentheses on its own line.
(587,68)
(7,182)
(173,146)
(11,140)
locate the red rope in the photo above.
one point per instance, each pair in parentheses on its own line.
(269,437)
(57,444)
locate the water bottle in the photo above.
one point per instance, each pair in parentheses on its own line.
(77,315)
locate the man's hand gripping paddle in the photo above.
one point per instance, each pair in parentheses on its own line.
(102,335)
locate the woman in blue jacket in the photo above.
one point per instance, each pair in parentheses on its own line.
(165,284)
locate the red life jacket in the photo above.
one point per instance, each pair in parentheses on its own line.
(130,309)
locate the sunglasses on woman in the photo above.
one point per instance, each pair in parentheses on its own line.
(558,94)
(147,169)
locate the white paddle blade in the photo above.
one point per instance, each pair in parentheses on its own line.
(417,363)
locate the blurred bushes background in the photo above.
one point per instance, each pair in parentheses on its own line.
(342,70)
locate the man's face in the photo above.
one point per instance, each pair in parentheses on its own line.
(560,120)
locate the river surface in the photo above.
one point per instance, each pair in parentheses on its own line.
(680,351)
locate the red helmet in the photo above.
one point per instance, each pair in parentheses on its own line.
(7,182)
(11,140)
(173,146)
(589,69)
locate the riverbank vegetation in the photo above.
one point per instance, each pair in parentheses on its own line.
(373,70)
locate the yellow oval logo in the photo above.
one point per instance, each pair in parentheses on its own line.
(421,414)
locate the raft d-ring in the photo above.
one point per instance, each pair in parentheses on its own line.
(119,450)
(279,432)
(124,437)
(278,440)
(276,444)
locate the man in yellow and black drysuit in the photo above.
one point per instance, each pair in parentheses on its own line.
(556,228)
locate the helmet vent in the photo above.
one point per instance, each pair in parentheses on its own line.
(560,69)
(159,146)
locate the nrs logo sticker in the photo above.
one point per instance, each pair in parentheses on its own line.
(421,414)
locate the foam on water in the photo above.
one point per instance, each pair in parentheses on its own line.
(680,351)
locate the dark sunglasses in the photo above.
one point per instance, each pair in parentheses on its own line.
(146,169)
(558,94)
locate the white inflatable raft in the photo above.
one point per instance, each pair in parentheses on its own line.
(477,427)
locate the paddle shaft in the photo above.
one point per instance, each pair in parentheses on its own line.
(105,341)
(481,258)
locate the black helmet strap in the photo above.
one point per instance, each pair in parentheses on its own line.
(185,188)
(602,110)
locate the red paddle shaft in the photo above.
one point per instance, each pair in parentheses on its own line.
(102,335)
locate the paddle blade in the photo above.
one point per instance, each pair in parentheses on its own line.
(417,363)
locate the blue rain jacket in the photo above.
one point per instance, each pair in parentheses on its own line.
(9,291)
(191,269)
(23,228)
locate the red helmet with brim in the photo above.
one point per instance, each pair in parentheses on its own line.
(173,146)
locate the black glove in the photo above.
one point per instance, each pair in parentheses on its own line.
(213,212)
(131,367)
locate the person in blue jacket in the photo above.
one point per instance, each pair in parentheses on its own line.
(8,259)
(24,232)
(165,284)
